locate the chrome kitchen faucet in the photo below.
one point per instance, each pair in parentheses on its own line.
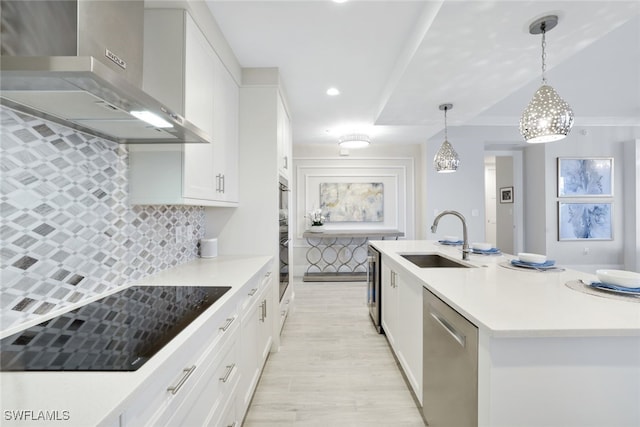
(465,239)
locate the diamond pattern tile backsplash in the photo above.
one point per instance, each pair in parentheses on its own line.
(67,232)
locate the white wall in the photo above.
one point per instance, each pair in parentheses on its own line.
(398,165)
(535,200)
(462,191)
(632,209)
(541,213)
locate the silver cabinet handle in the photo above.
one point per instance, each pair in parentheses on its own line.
(263,310)
(459,337)
(227,374)
(220,184)
(186,374)
(266,278)
(253,291)
(224,327)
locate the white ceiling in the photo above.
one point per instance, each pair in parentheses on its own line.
(395,61)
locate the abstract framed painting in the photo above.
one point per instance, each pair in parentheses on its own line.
(585,177)
(352,202)
(585,221)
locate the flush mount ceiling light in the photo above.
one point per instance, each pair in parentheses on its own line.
(446,159)
(354,140)
(548,117)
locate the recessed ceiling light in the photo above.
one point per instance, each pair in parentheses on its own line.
(332,91)
(339,1)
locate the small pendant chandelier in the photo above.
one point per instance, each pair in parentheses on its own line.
(548,117)
(446,160)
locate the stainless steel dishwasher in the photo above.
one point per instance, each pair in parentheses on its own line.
(450,368)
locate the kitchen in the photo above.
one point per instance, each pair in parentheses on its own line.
(124,246)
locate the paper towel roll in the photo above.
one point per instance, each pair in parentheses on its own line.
(208,248)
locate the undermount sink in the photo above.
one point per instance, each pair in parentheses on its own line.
(432,261)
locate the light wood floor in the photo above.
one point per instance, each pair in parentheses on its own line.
(332,369)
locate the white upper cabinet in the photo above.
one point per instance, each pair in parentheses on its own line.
(225,128)
(284,139)
(182,70)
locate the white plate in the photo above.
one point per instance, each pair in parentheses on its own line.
(482,246)
(451,239)
(532,258)
(627,279)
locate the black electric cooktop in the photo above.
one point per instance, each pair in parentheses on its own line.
(116,333)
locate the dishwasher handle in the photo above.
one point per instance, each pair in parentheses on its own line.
(451,330)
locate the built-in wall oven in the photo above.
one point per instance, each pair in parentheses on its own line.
(373,287)
(283,235)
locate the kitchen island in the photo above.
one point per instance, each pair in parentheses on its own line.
(547,355)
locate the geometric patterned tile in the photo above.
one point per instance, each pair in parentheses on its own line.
(67,232)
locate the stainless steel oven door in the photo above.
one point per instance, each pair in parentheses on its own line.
(284,238)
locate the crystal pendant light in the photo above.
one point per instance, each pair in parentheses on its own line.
(446,160)
(548,117)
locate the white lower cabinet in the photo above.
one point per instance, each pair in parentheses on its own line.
(402,322)
(175,390)
(256,336)
(389,295)
(219,380)
(229,416)
(210,380)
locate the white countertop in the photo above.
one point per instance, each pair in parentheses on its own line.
(109,390)
(509,303)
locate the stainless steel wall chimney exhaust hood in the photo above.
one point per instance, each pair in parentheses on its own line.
(79,63)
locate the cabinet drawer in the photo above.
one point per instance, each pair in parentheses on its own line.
(228,416)
(254,290)
(179,378)
(215,386)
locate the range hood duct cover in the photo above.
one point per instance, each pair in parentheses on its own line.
(79,63)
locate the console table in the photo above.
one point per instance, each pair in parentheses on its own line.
(341,255)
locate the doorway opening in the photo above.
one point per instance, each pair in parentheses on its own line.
(504,201)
